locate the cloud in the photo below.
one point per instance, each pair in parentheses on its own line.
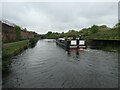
(119,10)
(60,0)
(60,16)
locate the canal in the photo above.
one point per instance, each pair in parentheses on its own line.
(49,66)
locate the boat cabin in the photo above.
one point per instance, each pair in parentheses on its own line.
(70,43)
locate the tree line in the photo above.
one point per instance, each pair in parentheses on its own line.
(93,32)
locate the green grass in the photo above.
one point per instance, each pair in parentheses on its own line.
(106,35)
(11,49)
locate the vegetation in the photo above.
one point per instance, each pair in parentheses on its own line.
(11,49)
(51,35)
(18,32)
(14,48)
(94,29)
(103,33)
(94,32)
(55,35)
(33,41)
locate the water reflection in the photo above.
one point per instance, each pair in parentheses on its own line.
(76,51)
(74,55)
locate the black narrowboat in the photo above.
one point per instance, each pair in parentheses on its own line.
(71,43)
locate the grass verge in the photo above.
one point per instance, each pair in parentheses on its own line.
(11,49)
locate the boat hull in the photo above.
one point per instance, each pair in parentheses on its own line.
(66,45)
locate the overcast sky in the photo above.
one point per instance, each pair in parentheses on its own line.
(42,17)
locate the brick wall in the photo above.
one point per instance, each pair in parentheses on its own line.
(26,34)
(9,33)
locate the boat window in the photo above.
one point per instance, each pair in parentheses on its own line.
(81,42)
(73,42)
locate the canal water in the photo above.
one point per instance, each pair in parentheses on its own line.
(49,66)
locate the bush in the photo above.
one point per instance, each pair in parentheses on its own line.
(18,32)
(33,41)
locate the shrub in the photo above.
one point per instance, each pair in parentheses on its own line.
(18,32)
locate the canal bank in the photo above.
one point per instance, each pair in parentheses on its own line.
(106,45)
(11,49)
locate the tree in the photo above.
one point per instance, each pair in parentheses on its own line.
(18,32)
(62,35)
(72,33)
(118,28)
(119,25)
(94,29)
(48,34)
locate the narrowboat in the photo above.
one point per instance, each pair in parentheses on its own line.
(71,43)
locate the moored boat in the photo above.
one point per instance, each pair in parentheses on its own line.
(71,43)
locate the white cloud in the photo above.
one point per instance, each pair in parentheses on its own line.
(59,0)
(54,16)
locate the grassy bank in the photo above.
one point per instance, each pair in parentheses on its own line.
(11,49)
